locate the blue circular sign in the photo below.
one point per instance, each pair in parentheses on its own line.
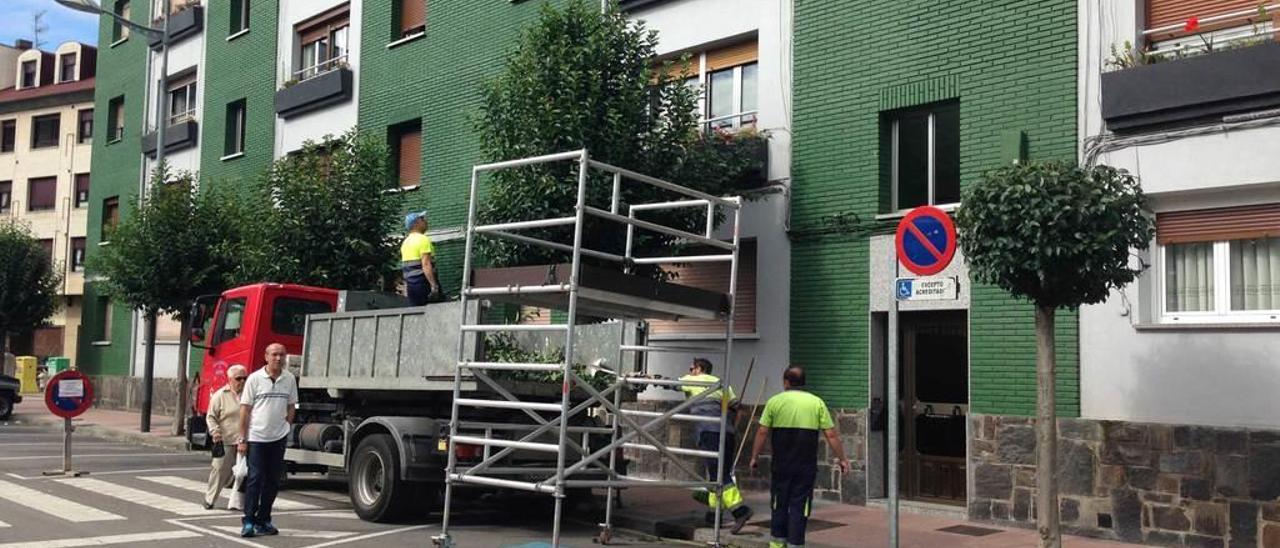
(926,240)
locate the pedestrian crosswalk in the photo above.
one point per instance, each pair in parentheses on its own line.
(52,505)
(189,507)
(199,487)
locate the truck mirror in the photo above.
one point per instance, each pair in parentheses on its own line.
(197,334)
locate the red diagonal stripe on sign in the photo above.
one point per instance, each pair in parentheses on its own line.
(928,245)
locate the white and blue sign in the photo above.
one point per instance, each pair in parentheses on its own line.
(927,289)
(926,241)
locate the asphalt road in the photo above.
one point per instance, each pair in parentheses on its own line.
(147,497)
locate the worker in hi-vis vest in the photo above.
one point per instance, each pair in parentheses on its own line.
(417,256)
(708,436)
(793,421)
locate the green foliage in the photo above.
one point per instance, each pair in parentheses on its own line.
(332,224)
(580,79)
(175,245)
(503,348)
(1053,232)
(29,283)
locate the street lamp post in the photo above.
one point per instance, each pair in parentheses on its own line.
(92,7)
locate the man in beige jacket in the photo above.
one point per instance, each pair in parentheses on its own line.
(223,421)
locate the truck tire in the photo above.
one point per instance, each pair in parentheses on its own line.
(378,492)
(6,405)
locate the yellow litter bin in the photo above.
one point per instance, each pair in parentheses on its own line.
(27,374)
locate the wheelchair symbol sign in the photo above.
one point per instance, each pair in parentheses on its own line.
(904,289)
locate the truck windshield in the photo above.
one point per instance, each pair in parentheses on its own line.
(289,315)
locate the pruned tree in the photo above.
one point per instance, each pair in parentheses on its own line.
(579,78)
(321,217)
(176,244)
(1060,236)
(29,283)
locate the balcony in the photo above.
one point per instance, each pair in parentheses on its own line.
(183,134)
(1187,77)
(187,22)
(314,88)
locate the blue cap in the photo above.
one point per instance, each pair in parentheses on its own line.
(413,217)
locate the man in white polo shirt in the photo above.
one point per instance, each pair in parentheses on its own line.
(267,404)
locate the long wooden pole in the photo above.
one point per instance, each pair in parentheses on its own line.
(1047,522)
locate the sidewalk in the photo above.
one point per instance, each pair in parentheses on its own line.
(102,423)
(672,513)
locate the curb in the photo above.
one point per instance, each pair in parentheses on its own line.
(172,443)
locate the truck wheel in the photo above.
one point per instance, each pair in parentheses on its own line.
(378,493)
(6,405)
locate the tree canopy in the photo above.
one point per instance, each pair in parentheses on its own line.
(29,283)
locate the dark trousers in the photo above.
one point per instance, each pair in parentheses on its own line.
(266,465)
(791,498)
(419,291)
(710,441)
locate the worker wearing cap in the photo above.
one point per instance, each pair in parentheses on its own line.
(416,260)
(707,435)
(793,421)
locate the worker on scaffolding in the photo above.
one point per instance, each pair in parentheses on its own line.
(417,261)
(708,436)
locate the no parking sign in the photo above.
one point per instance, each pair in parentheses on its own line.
(68,394)
(926,240)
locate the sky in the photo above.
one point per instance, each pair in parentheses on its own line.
(63,24)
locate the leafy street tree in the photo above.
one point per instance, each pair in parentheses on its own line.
(582,79)
(1058,235)
(332,224)
(29,283)
(176,244)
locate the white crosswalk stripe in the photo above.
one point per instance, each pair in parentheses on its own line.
(199,486)
(326,495)
(103,541)
(54,506)
(181,507)
(296,533)
(3,525)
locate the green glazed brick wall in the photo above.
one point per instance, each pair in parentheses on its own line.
(240,68)
(1012,67)
(114,172)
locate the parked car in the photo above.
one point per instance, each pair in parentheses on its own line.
(8,395)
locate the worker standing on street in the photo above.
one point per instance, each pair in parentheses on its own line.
(708,436)
(417,256)
(792,421)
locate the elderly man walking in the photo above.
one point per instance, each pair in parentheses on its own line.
(266,412)
(223,422)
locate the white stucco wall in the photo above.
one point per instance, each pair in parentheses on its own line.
(1132,367)
(333,119)
(691,25)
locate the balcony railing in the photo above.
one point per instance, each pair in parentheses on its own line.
(1224,31)
(307,73)
(179,117)
(731,121)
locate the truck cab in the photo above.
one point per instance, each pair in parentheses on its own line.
(236,327)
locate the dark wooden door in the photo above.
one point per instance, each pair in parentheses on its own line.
(935,403)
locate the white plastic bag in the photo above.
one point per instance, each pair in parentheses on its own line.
(239,471)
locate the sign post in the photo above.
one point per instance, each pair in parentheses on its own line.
(68,394)
(926,243)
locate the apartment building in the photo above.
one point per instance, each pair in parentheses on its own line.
(46,137)
(1180,367)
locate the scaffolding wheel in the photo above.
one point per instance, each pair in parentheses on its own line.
(604,536)
(443,541)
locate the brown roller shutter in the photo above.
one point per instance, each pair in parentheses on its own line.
(715,277)
(1208,225)
(1169,12)
(410,158)
(732,56)
(413,16)
(318,26)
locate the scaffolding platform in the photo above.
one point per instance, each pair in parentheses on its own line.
(602,293)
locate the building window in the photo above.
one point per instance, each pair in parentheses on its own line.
(110,216)
(182,99)
(925,148)
(44,131)
(8,135)
(28,74)
(84,130)
(77,254)
(42,193)
(68,72)
(323,44)
(727,81)
(233,140)
(714,276)
(239,16)
(1220,265)
(104,311)
(119,31)
(6,196)
(410,18)
(47,245)
(82,189)
(115,119)
(405,142)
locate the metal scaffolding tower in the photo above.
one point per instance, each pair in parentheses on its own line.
(578,464)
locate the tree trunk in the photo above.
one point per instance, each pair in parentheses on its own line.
(180,415)
(148,370)
(1047,522)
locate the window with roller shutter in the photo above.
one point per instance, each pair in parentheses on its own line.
(42,193)
(1219,265)
(405,142)
(1162,13)
(715,277)
(410,18)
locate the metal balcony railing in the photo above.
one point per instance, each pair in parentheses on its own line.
(307,73)
(731,121)
(1220,32)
